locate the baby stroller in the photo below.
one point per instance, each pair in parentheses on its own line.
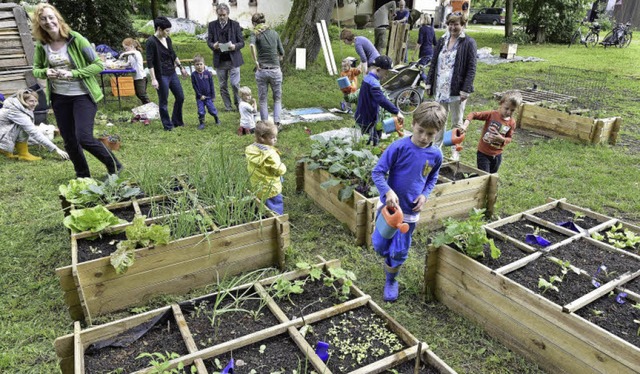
(406,88)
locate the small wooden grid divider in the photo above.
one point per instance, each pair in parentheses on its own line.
(551,335)
(93,288)
(449,198)
(70,348)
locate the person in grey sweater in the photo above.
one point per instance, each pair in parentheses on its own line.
(16,127)
(267,51)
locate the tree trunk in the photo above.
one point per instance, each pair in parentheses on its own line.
(154,9)
(300,30)
(508,19)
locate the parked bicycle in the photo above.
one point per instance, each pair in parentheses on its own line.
(620,36)
(592,37)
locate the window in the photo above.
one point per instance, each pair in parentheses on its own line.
(253,2)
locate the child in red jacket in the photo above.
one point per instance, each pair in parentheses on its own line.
(497,131)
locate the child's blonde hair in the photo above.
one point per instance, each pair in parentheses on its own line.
(265,128)
(198,58)
(243,92)
(24,94)
(430,115)
(130,42)
(511,97)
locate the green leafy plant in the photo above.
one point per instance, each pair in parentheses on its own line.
(77,192)
(468,236)
(565,267)
(619,237)
(111,138)
(349,163)
(339,279)
(94,219)
(139,235)
(578,216)
(114,189)
(160,363)
(283,287)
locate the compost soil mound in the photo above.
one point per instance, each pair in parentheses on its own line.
(572,287)
(558,215)
(356,338)
(509,253)
(614,317)
(588,257)
(278,354)
(519,230)
(164,337)
(316,297)
(227,324)
(101,246)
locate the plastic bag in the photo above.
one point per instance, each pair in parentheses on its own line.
(149,111)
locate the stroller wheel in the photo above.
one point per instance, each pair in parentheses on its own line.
(408,100)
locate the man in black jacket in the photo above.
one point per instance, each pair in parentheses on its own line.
(225,40)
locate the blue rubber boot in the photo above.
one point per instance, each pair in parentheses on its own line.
(391,285)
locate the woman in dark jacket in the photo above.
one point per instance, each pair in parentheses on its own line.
(452,71)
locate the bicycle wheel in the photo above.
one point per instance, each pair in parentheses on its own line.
(608,39)
(591,40)
(408,100)
(627,39)
(574,38)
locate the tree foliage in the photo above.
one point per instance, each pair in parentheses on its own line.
(300,30)
(557,18)
(102,22)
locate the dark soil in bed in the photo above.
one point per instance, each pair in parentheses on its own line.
(633,285)
(126,213)
(101,246)
(588,257)
(316,297)
(509,253)
(572,287)
(450,172)
(228,324)
(558,215)
(519,230)
(356,338)
(278,354)
(164,337)
(409,368)
(613,317)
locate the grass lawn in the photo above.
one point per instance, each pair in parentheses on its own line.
(603,178)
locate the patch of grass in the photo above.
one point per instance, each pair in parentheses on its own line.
(34,242)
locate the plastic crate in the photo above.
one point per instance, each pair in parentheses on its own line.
(126,86)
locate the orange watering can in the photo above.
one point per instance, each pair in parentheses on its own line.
(389,221)
(454,137)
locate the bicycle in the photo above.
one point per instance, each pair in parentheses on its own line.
(620,36)
(592,37)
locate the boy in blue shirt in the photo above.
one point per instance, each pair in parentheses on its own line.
(405,176)
(202,82)
(371,98)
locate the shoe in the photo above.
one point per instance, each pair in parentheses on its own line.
(201,126)
(179,125)
(217,120)
(23,152)
(8,154)
(343,106)
(391,286)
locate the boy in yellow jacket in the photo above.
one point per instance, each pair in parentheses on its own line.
(265,167)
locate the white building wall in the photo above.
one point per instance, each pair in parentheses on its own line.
(201,11)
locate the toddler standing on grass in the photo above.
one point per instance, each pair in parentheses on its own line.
(265,167)
(247,109)
(132,51)
(202,81)
(497,131)
(405,176)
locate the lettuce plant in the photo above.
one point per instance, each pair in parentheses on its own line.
(468,236)
(77,192)
(139,235)
(94,219)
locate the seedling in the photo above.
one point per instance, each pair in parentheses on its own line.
(161,362)
(139,235)
(468,236)
(342,277)
(535,238)
(597,313)
(578,216)
(545,285)
(283,287)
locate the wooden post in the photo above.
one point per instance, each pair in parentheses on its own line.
(327,41)
(78,350)
(596,134)
(324,49)
(492,195)
(300,176)
(431,264)
(615,128)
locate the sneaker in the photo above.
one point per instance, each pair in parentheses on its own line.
(201,126)
(217,120)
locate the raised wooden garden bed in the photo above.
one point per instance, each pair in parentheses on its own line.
(544,325)
(473,188)
(280,340)
(555,123)
(91,286)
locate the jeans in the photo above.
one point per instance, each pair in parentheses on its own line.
(165,84)
(75,117)
(275,203)
(455,110)
(233,75)
(487,163)
(264,79)
(140,87)
(208,104)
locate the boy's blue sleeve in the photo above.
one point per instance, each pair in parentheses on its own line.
(379,97)
(380,171)
(432,178)
(195,86)
(211,87)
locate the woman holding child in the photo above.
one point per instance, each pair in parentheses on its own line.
(70,65)
(452,71)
